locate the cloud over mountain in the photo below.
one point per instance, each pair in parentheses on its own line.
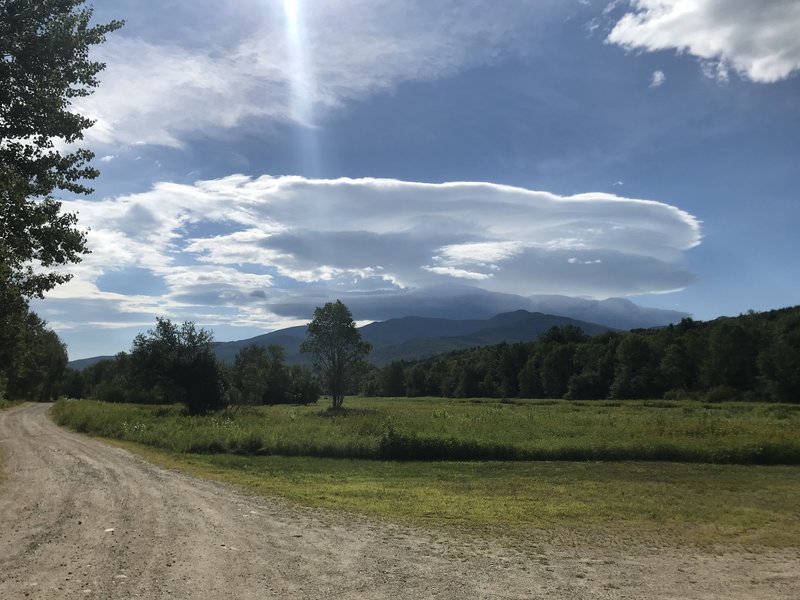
(225,250)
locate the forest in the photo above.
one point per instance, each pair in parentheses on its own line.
(754,357)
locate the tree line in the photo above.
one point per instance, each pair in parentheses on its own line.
(175,364)
(32,357)
(755,356)
(44,62)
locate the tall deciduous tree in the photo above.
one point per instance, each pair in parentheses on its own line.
(44,64)
(337,348)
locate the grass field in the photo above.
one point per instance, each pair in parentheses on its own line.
(620,503)
(443,429)
(690,502)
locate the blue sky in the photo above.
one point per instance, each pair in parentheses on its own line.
(254,151)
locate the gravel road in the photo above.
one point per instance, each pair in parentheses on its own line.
(80,519)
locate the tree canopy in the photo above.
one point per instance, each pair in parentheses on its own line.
(176,364)
(44,64)
(750,357)
(338,350)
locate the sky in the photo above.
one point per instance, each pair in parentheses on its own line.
(254,152)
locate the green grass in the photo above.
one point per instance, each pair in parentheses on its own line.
(287,450)
(672,503)
(443,429)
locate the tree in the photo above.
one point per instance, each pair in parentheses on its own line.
(636,373)
(32,359)
(44,63)
(261,375)
(176,364)
(556,369)
(780,360)
(337,348)
(392,379)
(530,383)
(44,47)
(304,387)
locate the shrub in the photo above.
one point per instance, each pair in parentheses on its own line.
(721,393)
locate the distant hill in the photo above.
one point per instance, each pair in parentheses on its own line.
(412,338)
(289,338)
(83,363)
(465,302)
(446,317)
(618,313)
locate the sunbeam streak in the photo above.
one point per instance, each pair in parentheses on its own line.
(302,87)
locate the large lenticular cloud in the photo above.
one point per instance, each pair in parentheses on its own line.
(242,244)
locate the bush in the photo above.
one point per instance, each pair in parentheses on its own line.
(722,393)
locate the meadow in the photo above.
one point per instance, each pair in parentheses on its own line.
(445,429)
(338,460)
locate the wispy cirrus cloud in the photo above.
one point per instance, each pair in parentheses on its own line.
(756,39)
(157,92)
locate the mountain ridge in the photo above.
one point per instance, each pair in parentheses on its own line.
(445,312)
(465,302)
(410,338)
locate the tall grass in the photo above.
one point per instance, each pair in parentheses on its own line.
(5,404)
(443,429)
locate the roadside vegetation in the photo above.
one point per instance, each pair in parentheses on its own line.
(701,472)
(45,63)
(444,429)
(619,502)
(593,481)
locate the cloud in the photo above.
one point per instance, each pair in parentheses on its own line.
(756,39)
(156,92)
(230,250)
(657,79)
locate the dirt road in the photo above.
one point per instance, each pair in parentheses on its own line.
(80,519)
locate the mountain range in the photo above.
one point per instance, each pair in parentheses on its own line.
(412,338)
(452,317)
(458,301)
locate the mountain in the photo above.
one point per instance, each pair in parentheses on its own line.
(412,338)
(618,313)
(84,363)
(289,338)
(464,302)
(449,317)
